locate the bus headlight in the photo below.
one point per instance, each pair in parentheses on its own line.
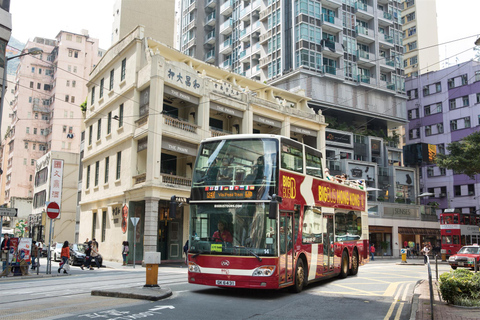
(193,267)
(263,271)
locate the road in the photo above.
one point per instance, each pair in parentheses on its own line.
(382,290)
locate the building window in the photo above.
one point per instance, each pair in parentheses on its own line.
(72,99)
(31,84)
(99,129)
(104,225)
(97,172)
(112,73)
(467,122)
(465,101)
(101,88)
(453,125)
(26,145)
(426,90)
(66,98)
(412,94)
(68,83)
(477,76)
(441,148)
(120,116)
(94,224)
(90,134)
(452,104)
(88,177)
(107,165)
(438,87)
(119,165)
(412,114)
(124,66)
(74,83)
(439,127)
(430,172)
(428,130)
(93,96)
(34,130)
(109,122)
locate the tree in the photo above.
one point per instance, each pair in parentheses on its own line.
(83,106)
(463,156)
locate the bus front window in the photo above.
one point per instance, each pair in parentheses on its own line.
(235,229)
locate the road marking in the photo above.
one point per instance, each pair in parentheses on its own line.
(392,306)
(357,290)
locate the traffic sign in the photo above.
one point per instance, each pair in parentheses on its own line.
(8,212)
(53,210)
(134,220)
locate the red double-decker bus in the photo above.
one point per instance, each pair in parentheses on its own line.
(458,229)
(263,215)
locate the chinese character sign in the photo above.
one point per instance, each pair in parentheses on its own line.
(56,180)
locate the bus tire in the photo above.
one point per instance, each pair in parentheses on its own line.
(299,277)
(355,263)
(344,266)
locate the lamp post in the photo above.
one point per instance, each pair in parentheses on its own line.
(31,51)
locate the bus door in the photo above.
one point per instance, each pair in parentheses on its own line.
(286,257)
(328,242)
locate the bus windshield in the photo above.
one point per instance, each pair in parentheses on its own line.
(232,228)
(236,165)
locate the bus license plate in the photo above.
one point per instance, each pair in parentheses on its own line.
(224,283)
(460,264)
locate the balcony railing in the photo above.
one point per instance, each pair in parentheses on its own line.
(176,180)
(140,178)
(182,125)
(330,70)
(363,54)
(218,133)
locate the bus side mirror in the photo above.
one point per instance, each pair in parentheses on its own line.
(173,207)
(273,208)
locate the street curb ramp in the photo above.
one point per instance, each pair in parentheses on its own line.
(142,293)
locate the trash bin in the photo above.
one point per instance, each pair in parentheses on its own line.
(152,260)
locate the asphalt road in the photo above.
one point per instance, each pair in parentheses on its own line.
(381,290)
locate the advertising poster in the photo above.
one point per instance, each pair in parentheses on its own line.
(13,250)
(24,249)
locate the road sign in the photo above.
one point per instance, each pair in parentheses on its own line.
(134,221)
(8,212)
(53,210)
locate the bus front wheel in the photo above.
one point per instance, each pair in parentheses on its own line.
(344,266)
(299,277)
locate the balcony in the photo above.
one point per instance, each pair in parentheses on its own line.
(331,23)
(139,178)
(244,34)
(217,133)
(210,37)
(386,40)
(226,46)
(366,58)
(264,37)
(265,61)
(365,34)
(176,180)
(226,8)
(265,13)
(332,3)
(364,11)
(387,85)
(180,124)
(332,49)
(227,64)
(210,56)
(226,27)
(210,19)
(245,13)
(365,79)
(384,19)
(210,3)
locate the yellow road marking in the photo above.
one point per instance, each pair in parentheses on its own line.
(392,306)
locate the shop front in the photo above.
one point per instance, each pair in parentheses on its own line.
(381,237)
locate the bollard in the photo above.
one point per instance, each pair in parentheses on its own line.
(404,255)
(152,260)
(444,254)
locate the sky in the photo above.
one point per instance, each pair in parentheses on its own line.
(456,19)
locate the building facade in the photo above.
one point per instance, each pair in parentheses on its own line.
(149,107)
(443,108)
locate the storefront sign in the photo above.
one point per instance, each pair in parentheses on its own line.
(56,181)
(303,131)
(400,213)
(337,137)
(179,146)
(270,122)
(183,78)
(181,95)
(226,110)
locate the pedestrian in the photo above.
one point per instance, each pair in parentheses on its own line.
(425,251)
(34,253)
(185,250)
(95,254)
(88,257)
(372,251)
(65,255)
(5,247)
(125,251)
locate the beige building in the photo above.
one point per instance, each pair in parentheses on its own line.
(149,106)
(158,18)
(420,37)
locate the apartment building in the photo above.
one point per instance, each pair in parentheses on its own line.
(420,37)
(149,107)
(45,114)
(443,108)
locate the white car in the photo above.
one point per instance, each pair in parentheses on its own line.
(56,251)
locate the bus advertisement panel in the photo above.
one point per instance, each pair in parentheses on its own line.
(262,215)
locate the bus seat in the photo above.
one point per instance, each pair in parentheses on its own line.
(249,179)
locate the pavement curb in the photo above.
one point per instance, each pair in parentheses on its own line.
(142,293)
(415,301)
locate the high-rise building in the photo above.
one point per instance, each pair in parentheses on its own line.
(420,37)
(443,108)
(158,18)
(45,113)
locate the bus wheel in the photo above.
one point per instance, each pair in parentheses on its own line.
(354,269)
(344,266)
(299,277)
(454,267)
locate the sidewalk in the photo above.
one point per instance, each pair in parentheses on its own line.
(421,306)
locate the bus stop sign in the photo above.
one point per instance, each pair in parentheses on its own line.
(53,210)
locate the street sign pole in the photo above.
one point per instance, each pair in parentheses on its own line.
(53,210)
(134,222)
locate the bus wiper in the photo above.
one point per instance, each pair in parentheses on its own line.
(197,254)
(254,254)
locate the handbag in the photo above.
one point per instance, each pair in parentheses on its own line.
(66,267)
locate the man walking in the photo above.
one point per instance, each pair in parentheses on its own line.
(372,251)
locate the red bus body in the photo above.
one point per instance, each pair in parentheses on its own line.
(306,201)
(457,230)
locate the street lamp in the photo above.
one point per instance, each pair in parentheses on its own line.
(31,51)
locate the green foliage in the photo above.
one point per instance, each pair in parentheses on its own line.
(83,106)
(463,156)
(460,287)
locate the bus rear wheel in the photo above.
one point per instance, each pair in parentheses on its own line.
(354,269)
(299,277)
(344,266)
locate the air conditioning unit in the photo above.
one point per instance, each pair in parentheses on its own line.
(442,195)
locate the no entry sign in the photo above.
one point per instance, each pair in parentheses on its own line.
(53,210)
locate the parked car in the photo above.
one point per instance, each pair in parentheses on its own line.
(56,251)
(77,254)
(465,257)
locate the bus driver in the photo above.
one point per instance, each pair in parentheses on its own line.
(222,235)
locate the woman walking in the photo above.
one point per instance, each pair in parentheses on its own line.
(65,256)
(125,250)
